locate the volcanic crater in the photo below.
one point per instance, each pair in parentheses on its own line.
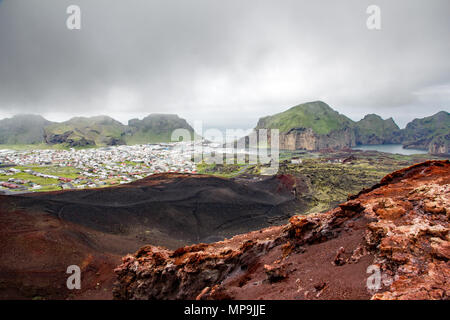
(43,233)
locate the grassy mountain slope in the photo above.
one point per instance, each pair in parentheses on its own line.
(419,133)
(81,131)
(372,129)
(23,129)
(430,133)
(316,115)
(154,128)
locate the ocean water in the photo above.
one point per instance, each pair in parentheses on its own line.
(390,148)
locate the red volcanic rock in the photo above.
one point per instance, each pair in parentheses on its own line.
(275,272)
(339,260)
(400,228)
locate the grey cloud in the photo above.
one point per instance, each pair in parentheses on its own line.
(224,62)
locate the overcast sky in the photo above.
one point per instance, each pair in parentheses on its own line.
(224,62)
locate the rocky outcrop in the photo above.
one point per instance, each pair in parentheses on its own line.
(67,138)
(440,145)
(307,139)
(316,126)
(311,126)
(430,133)
(52,138)
(391,241)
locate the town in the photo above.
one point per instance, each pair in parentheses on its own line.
(50,170)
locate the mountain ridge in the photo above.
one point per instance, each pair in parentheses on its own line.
(431,132)
(332,130)
(86,131)
(23,129)
(156,127)
(316,115)
(373,129)
(310,126)
(81,131)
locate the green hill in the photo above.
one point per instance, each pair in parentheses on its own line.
(155,128)
(23,129)
(316,115)
(419,133)
(374,130)
(440,144)
(81,131)
(309,126)
(90,131)
(315,126)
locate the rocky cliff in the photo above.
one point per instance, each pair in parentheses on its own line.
(315,126)
(430,133)
(391,241)
(307,139)
(440,145)
(311,126)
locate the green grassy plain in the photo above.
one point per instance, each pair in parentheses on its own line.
(329,182)
(47,184)
(27,147)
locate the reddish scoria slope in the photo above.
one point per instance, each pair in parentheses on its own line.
(400,226)
(36,249)
(41,234)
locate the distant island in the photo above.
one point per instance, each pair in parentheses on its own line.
(316,126)
(309,126)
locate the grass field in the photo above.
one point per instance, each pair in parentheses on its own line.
(329,180)
(41,146)
(47,184)
(27,147)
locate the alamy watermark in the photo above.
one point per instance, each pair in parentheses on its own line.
(376,279)
(74,280)
(234,146)
(374,20)
(73,21)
